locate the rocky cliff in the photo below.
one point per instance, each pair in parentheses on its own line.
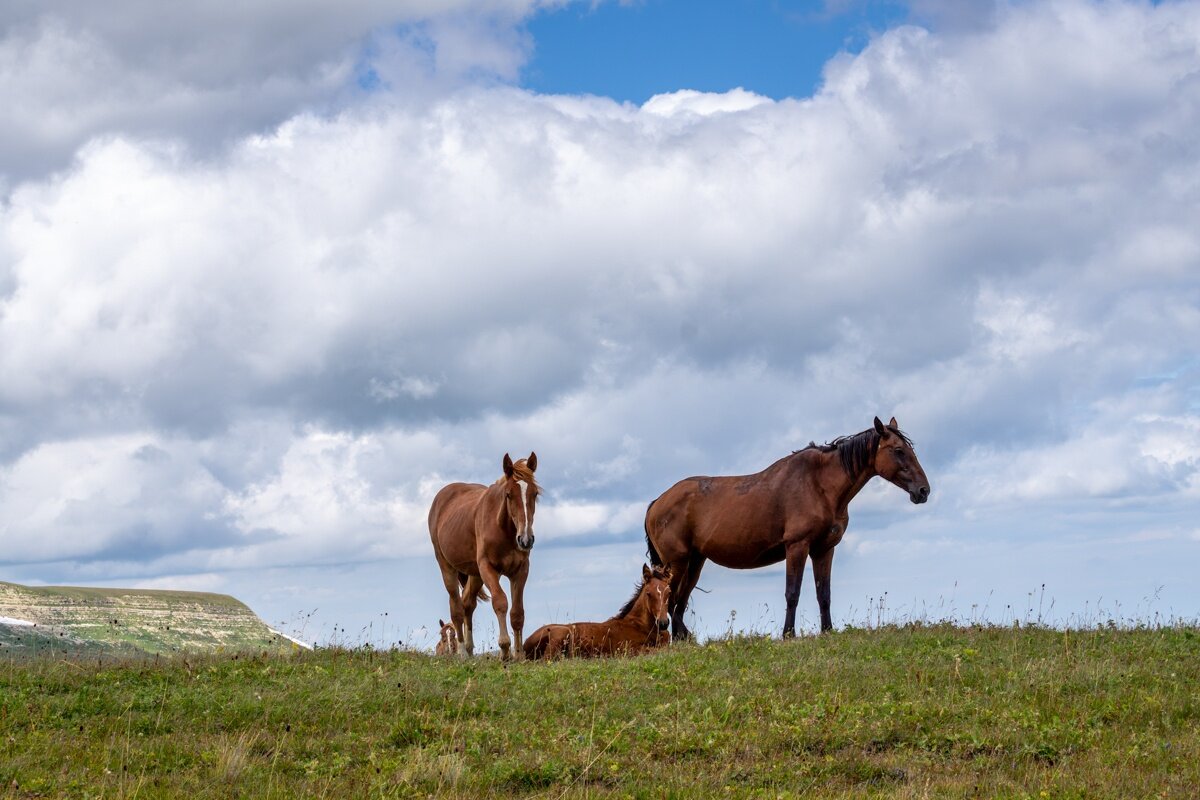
(65,619)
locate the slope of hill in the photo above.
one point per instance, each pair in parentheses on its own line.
(899,713)
(69,619)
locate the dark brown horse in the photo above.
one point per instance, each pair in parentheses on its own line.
(480,533)
(640,626)
(794,508)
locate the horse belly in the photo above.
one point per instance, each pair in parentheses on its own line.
(459,552)
(745,542)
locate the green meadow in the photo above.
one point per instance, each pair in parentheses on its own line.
(912,711)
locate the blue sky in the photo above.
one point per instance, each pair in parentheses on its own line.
(632,51)
(252,316)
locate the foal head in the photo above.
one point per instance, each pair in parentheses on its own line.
(656,586)
(896,461)
(520,497)
(447,640)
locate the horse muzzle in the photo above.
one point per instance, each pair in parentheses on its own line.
(919,495)
(525,542)
(663,623)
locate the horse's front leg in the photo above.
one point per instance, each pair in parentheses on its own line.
(822,567)
(796,555)
(491,579)
(517,616)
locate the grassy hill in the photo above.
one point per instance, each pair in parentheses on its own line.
(923,711)
(126,622)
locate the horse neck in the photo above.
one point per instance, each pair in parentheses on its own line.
(839,485)
(639,614)
(495,497)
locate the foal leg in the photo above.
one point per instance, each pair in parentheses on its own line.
(491,579)
(822,565)
(690,572)
(470,600)
(796,556)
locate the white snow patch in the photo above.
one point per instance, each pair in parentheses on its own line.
(292,639)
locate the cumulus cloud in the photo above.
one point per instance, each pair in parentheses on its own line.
(987,231)
(210,72)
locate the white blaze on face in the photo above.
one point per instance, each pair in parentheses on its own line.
(525,503)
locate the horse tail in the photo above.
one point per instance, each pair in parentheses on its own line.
(655,558)
(482,594)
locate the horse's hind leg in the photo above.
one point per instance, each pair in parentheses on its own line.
(687,576)
(450,578)
(822,567)
(470,600)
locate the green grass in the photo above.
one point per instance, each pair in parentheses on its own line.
(919,711)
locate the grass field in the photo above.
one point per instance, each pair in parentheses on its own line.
(920,711)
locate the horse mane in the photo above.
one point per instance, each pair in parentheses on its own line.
(856,450)
(625,609)
(522,472)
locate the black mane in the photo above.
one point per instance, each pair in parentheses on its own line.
(625,609)
(856,450)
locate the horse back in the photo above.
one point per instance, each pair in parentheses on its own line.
(736,521)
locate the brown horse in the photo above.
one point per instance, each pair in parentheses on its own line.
(480,533)
(794,508)
(447,640)
(640,626)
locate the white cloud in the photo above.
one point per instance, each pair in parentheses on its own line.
(689,101)
(988,232)
(208,72)
(109,498)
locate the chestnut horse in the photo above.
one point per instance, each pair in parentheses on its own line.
(480,533)
(794,508)
(447,640)
(640,626)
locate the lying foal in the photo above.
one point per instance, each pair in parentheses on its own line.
(639,626)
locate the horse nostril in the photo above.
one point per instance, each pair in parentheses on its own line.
(923,491)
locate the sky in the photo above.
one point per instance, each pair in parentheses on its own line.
(271,274)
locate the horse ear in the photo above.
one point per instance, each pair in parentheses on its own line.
(508,469)
(531,462)
(645,574)
(441,623)
(894,424)
(882,431)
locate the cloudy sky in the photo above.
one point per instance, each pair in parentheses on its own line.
(272,273)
